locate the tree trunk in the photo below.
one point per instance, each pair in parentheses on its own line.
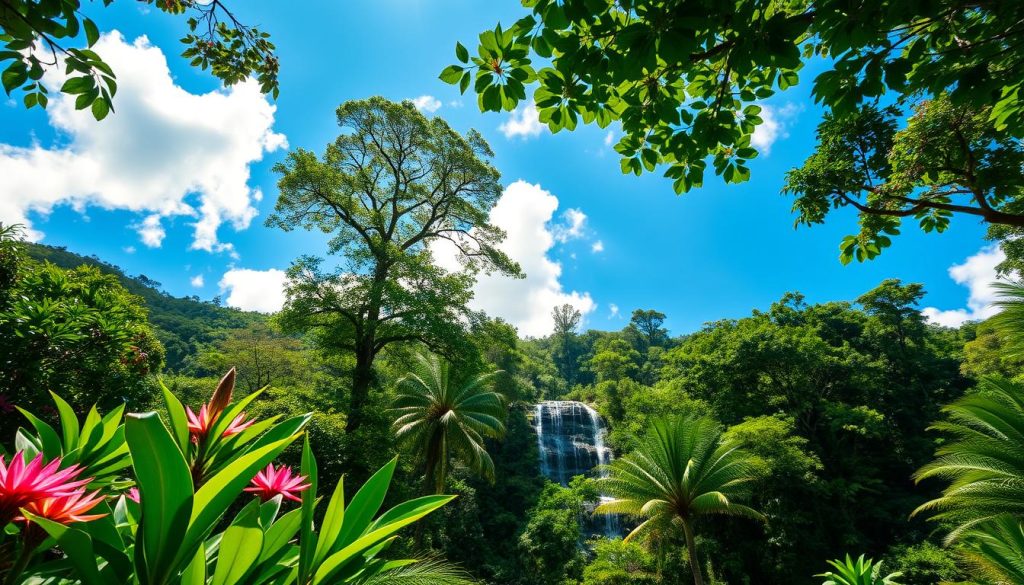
(691,550)
(362,377)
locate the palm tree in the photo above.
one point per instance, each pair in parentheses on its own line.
(984,460)
(682,470)
(996,550)
(441,418)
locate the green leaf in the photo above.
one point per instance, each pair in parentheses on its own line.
(77,85)
(100,108)
(68,423)
(14,76)
(217,494)
(452,74)
(397,518)
(461,53)
(49,440)
(239,547)
(165,488)
(179,422)
(195,572)
(307,542)
(92,34)
(330,529)
(280,533)
(366,503)
(77,545)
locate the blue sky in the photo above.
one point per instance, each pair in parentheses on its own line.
(713,253)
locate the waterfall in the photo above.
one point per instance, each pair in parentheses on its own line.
(571,442)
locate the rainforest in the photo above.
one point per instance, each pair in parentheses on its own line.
(510,294)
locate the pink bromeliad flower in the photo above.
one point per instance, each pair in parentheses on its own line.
(66,509)
(277,481)
(199,425)
(133,495)
(23,483)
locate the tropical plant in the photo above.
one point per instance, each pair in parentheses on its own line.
(165,531)
(440,417)
(860,572)
(681,471)
(996,550)
(1009,322)
(984,459)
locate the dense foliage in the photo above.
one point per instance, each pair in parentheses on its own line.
(831,403)
(37,36)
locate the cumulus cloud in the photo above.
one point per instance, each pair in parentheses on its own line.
(613,311)
(165,152)
(197,281)
(523,122)
(254,290)
(427,103)
(977,273)
(571,226)
(525,212)
(597,247)
(774,127)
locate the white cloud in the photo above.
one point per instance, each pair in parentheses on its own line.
(597,247)
(524,212)
(571,226)
(609,138)
(151,231)
(427,103)
(455,104)
(197,281)
(254,290)
(613,311)
(523,122)
(977,273)
(773,127)
(165,152)
(129,249)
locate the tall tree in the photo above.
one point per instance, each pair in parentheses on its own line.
(385,191)
(648,326)
(38,34)
(681,472)
(565,352)
(441,417)
(566,318)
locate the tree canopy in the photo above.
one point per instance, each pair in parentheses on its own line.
(36,36)
(387,190)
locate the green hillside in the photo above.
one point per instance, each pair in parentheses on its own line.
(181,322)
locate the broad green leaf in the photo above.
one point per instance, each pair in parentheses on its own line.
(176,414)
(366,503)
(213,499)
(48,437)
(77,545)
(68,423)
(195,572)
(165,488)
(307,540)
(401,516)
(280,533)
(330,529)
(240,546)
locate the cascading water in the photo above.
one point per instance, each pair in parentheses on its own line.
(570,439)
